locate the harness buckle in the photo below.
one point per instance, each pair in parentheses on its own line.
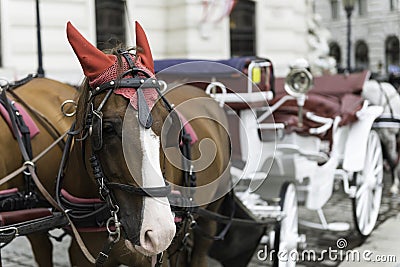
(185,239)
(160,259)
(193,222)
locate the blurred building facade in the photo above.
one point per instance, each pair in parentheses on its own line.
(375,33)
(281,30)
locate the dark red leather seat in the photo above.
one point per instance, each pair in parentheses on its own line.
(331,96)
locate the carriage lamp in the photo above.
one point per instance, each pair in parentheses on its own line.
(348,7)
(297,83)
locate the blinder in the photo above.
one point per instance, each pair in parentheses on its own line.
(171,132)
(97,130)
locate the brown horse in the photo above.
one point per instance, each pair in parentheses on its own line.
(132,160)
(42,99)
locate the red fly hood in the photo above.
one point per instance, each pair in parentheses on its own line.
(101,68)
(143,48)
(93,61)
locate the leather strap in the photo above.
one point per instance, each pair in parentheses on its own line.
(50,199)
(8,233)
(103,255)
(128,83)
(127,57)
(235,221)
(144,115)
(34,160)
(161,191)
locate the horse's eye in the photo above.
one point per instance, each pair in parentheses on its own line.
(108,127)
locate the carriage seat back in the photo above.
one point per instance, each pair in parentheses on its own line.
(229,76)
(331,96)
(332,85)
(258,70)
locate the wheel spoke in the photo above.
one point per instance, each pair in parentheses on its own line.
(373,142)
(360,200)
(378,169)
(374,195)
(369,210)
(363,210)
(361,190)
(374,161)
(368,158)
(361,221)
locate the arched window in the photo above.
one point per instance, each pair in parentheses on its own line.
(361,55)
(392,53)
(110,23)
(336,53)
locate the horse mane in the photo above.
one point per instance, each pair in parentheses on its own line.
(84,88)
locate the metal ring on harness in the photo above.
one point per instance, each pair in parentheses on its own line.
(15,229)
(7,235)
(3,84)
(26,164)
(66,102)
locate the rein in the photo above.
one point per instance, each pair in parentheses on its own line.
(34,160)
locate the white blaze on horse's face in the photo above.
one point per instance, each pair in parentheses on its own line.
(158,227)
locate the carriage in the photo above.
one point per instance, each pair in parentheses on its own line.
(315,131)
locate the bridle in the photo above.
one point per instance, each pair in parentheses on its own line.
(93,125)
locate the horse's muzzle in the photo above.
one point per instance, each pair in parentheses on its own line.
(157,229)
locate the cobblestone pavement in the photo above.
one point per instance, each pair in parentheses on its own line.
(338,208)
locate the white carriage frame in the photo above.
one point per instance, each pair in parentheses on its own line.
(346,157)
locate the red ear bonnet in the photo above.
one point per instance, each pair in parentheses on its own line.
(93,61)
(143,50)
(101,68)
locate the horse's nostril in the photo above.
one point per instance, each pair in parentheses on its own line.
(147,237)
(155,242)
(149,241)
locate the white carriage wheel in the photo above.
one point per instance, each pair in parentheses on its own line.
(369,183)
(286,230)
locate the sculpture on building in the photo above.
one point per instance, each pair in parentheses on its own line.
(318,36)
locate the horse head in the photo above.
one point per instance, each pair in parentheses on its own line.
(115,83)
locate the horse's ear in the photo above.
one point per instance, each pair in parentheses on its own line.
(144,48)
(93,61)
